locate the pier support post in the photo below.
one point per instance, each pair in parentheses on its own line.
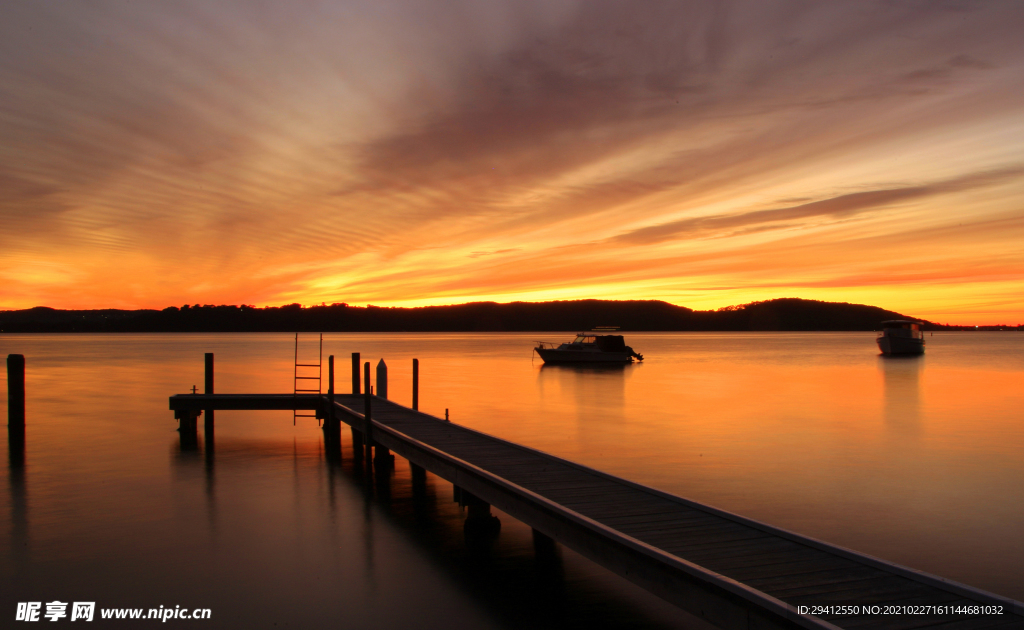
(382,456)
(545,548)
(382,379)
(208,389)
(15,392)
(367,413)
(416,384)
(187,428)
(419,474)
(16,421)
(419,484)
(548,564)
(480,523)
(357,443)
(330,389)
(332,425)
(355,374)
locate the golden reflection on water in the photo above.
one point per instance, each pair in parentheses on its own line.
(902,393)
(914,460)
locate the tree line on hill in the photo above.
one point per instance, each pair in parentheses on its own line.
(785,314)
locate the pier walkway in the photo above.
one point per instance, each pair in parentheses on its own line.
(731,571)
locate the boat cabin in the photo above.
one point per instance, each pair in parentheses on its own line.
(604,343)
(902,328)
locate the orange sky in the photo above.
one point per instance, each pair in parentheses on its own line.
(426,152)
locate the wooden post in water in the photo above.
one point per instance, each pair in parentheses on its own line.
(548,558)
(382,456)
(419,474)
(357,443)
(15,392)
(208,389)
(419,486)
(382,379)
(480,523)
(330,385)
(367,413)
(357,434)
(355,373)
(333,427)
(416,384)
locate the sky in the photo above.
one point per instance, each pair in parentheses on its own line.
(705,153)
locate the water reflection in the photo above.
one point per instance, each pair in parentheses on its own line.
(19,499)
(902,384)
(597,390)
(801,430)
(518,576)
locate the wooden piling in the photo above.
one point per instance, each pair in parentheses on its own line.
(332,425)
(475,508)
(543,545)
(479,520)
(382,456)
(16,391)
(330,385)
(416,384)
(208,389)
(367,412)
(187,427)
(419,473)
(355,374)
(382,379)
(419,483)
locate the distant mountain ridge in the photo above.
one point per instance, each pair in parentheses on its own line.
(784,314)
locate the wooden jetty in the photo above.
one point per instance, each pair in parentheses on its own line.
(731,571)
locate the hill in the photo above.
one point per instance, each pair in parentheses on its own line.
(790,314)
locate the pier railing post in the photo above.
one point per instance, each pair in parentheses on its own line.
(382,456)
(382,379)
(367,412)
(416,384)
(330,385)
(355,374)
(329,416)
(208,389)
(357,435)
(15,391)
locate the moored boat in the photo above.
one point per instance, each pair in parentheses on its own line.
(901,336)
(589,347)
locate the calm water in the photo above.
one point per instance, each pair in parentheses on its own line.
(918,461)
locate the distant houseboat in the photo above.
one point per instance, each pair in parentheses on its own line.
(589,347)
(901,336)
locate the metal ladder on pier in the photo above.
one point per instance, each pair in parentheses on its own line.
(305,377)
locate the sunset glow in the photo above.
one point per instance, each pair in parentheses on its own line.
(412,153)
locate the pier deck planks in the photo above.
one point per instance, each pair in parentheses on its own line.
(784,566)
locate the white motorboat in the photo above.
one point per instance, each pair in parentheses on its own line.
(901,336)
(589,347)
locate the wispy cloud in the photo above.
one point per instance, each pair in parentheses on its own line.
(414,151)
(839,207)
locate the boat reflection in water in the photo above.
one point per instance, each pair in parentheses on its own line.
(589,347)
(901,336)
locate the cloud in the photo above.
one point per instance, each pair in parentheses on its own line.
(839,207)
(388,151)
